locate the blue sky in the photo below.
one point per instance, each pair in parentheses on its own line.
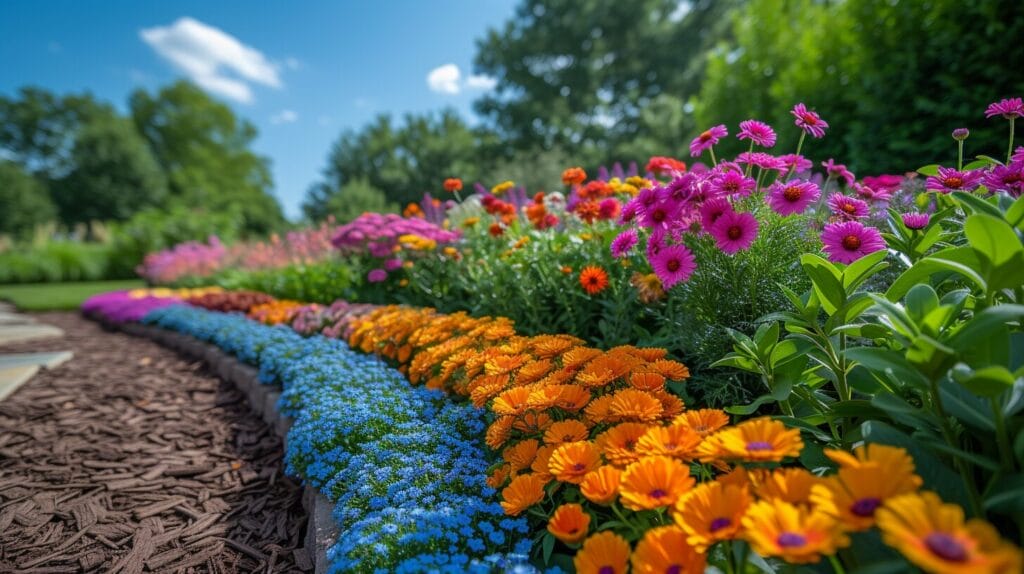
(300,71)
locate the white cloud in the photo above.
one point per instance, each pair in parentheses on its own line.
(447,79)
(213,59)
(284,117)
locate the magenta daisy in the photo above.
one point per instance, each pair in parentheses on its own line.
(848,241)
(870,194)
(848,207)
(1009,108)
(376,275)
(734,231)
(809,121)
(712,209)
(629,211)
(1018,154)
(624,243)
(949,180)
(792,197)
(795,162)
(760,133)
(733,183)
(1006,178)
(916,220)
(673,264)
(660,214)
(707,139)
(838,171)
(762,160)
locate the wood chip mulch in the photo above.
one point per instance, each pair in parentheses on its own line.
(130,459)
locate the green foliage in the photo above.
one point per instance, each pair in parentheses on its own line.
(324,282)
(355,198)
(56,261)
(59,296)
(26,202)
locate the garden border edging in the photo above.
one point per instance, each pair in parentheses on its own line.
(321,530)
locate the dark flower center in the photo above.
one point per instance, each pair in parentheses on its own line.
(791,540)
(579,466)
(731,186)
(674,569)
(792,193)
(953,181)
(759,445)
(809,119)
(865,507)
(672,265)
(1012,178)
(659,215)
(658,493)
(851,242)
(719,523)
(606,570)
(735,232)
(946,547)
(848,208)
(705,136)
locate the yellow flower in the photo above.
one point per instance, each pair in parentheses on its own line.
(712,512)
(603,553)
(653,482)
(874,474)
(794,534)
(502,187)
(470,222)
(935,537)
(601,486)
(757,440)
(664,549)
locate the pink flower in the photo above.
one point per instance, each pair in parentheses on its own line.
(712,209)
(848,207)
(376,276)
(1009,108)
(707,139)
(392,264)
(848,241)
(1018,154)
(792,197)
(916,220)
(809,121)
(624,243)
(733,183)
(660,214)
(673,264)
(734,231)
(760,133)
(867,193)
(1006,178)
(608,209)
(838,171)
(762,160)
(887,182)
(796,163)
(949,180)
(629,211)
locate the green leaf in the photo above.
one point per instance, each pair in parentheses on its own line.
(985,382)
(863,268)
(977,204)
(1015,215)
(929,170)
(994,239)
(982,323)
(973,458)
(892,363)
(548,546)
(920,301)
(960,260)
(825,279)
(1006,496)
(779,393)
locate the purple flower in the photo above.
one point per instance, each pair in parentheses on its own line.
(760,133)
(712,209)
(660,214)
(916,220)
(809,121)
(838,171)
(762,160)
(707,139)
(673,264)
(848,207)
(1006,178)
(624,243)
(629,211)
(1018,154)
(376,276)
(848,241)
(734,231)
(733,183)
(792,197)
(796,163)
(870,194)
(949,180)
(392,264)
(960,134)
(1009,108)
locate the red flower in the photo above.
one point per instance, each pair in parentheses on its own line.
(452,184)
(574,176)
(593,279)
(664,165)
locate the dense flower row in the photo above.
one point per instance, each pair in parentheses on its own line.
(405,466)
(131,306)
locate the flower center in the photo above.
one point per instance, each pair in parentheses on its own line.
(735,232)
(810,119)
(579,466)
(672,265)
(848,208)
(674,569)
(606,570)
(953,181)
(946,547)
(705,136)
(792,193)
(731,186)
(759,445)
(658,493)
(1012,178)
(659,215)
(865,507)
(791,540)
(851,242)
(719,523)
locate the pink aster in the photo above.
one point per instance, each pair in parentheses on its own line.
(885,181)
(629,211)
(1006,178)
(712,209)
(376,276)
(796,163)
(673,264)
(624,243)
(762,160)
(872,195)
(1018,154)
(707,139)
(916,220)
(949,180)
(1009,108)
(792,197)
(848,207)
(760,133)
(734,231)
(838,171)
(809,121)
(848,241)
(608,209)
(733,184)
(660,214)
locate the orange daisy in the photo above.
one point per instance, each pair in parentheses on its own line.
(597,411)
(521,454)
(794,534)
(634,405)
(664,549)
(523,492)
(712,512)
(653,482)
(756,440)
(793,485)
(593,279)
(572,397)
(704,421)
(618,444)
(499,432)
(574,176)
(676,441)
(570,462)
(603,553)
(647,381)
(866,480)
(569,523)
(601,486)
(566,431)
(542,462)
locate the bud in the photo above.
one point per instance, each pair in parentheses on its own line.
(960,134)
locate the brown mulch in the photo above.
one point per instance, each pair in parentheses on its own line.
(129,458)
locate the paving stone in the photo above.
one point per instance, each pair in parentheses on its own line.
(9,318)
(21,333)
(47,360)
(13,377)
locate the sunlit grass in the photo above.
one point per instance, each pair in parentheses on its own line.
(59,296)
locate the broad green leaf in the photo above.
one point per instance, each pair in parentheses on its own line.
(977,204)
(1015,215)
(920,301)
(889,362)
(983,322)
(929,170)
(994,239)
(826,281)
(971,457)
(863,268)
(1006,496)
(960,260)
(985,382)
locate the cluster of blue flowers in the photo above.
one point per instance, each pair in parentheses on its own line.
(405,465)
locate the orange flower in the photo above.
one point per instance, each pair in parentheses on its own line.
(597,411)
(671,370)
(496,230)
(511,402)
(867,480)
(664,549)
(574,176)
(793,485)
(569,523)
(618,444)
(566,269)
(572,461)
(573,398)
(712,512)
(452,184)
(703,421)
(676,441)
(647,381)
(499,476)
(634,405)
(792,533)
(566,431)
(521,454)
(601,486)
(653,482)
(576,358)
(603,553)
(498,433)
(593,279)
(532,423)
(542,462)
(523,492)
(756,440)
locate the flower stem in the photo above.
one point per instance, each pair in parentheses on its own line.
(836,565)
(960,155)
(1003,439)
(1009,150)
(714,162)
(799,146)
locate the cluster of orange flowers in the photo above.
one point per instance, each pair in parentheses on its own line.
(275,312)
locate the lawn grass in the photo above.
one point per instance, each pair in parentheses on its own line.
(59,296)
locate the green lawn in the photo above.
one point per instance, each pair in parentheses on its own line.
(59,296)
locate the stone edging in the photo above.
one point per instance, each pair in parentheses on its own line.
(321,530)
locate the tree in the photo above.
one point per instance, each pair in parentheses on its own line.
(26,202)
(113,174)
(205,150)
(352,200)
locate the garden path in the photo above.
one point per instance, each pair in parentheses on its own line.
(128,458)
